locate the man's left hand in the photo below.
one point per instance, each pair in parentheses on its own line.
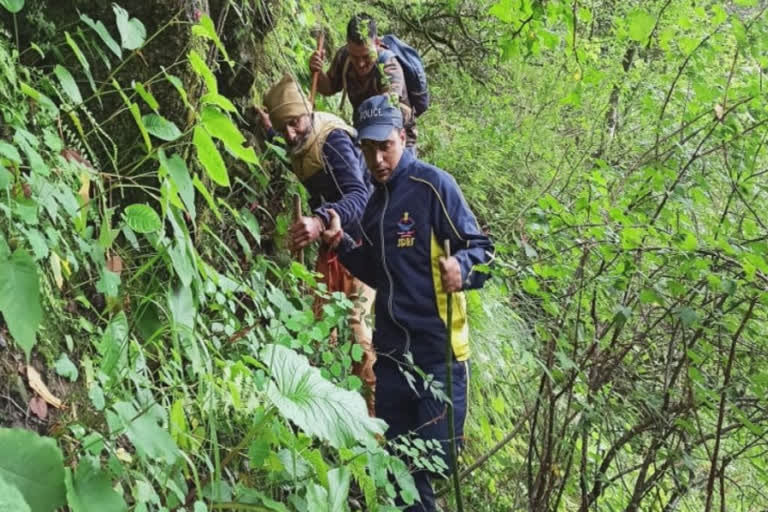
(305,231)
(450,274)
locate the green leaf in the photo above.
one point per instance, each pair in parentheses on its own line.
(132,31)
(180,177)
(136,113)
(209,157)
(200,186)
(66,368)
(688,316)
(201,68)
(160,127)
(27,143)
(113,346)
(179,86)
(81,59)
(206,29)
(33,465)
(258,452)
(104,34)
(147,96)
(11,499)
(641,25)
(108,283)
(96,395)
(39,97)
(10,152)
(68,84)
(408,490)
(90,489)
(143,430)
(338,488)
(13,6)
(178,424)
(142,218)
(220,101)
(181,303)
(249,221)
(503,10)
(20,298)
(221,126)
(316,405)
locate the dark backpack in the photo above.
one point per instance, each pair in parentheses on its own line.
(413,69)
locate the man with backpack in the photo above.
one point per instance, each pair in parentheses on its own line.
(369,66)
(328,163)
(414,209)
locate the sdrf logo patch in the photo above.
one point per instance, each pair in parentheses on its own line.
(405,231)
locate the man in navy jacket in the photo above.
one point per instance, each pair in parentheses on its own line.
(414,208)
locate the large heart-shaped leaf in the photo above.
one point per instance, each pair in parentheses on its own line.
(33,465)
(142,218)
(90,489)
(20,298)
(210,157)
(160,127)
(13,6)
(132,31)
(11,498)
(317,406)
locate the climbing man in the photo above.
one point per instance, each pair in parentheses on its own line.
(326,160)
(414,208)
(365,67)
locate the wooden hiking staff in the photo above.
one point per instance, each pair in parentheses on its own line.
(316,75)
(297,218)
(449,385)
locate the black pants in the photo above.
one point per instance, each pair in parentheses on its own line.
(421,413)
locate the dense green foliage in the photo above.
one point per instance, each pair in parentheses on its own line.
(615,151)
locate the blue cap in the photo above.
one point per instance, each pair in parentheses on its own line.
(376,118)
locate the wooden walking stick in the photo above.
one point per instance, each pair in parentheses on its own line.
(316,75)
(297,218)
(449,385)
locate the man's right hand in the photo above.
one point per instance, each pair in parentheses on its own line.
(316,61)
(332,235)
(266,122)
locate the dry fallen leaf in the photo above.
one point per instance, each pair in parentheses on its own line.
(85,189)
(115,264)
(38,406)
(37,384)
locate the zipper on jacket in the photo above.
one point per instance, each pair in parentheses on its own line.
(390,300)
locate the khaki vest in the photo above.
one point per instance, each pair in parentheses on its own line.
(307,160)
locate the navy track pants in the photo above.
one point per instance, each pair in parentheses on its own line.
(421,413)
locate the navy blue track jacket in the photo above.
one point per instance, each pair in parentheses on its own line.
(404,226)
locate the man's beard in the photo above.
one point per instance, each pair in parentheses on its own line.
(292,148)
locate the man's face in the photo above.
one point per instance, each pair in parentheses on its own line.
(362,57)
(296,130)
(383,156)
